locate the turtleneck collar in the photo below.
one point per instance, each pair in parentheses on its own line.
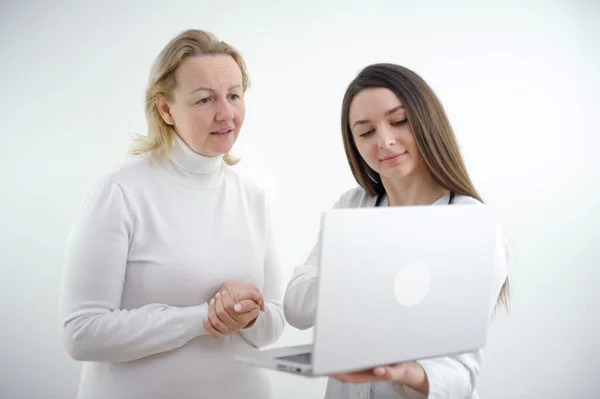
(192,168)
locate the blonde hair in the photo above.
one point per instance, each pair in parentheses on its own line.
(162,81)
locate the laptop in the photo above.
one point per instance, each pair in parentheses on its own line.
(395,284)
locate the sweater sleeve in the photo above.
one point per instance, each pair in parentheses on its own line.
(454,377)
(300,300)
(269,325)
(94,327)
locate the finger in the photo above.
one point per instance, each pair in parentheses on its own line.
(396,372)
(245,305)
(214,318)
(253,295)
(221,311)
(218,325)
(250,317)
(228,304)
(208,327)
(211,330)
(249,294)
(211,315)
(379,371)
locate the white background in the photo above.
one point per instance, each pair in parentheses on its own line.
(519,82)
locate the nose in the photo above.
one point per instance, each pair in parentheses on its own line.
(386,137)
(224,111)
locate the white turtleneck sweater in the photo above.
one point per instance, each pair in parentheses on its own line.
(151,245)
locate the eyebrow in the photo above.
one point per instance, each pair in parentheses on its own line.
(213,90)
(391,111)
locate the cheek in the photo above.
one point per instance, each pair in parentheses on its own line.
(181,115)
(407,138)
(411,146)
(368,151)
(199,120)
(240,113)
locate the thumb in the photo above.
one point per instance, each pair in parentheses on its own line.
(398,372)
(253,295)
(245,305)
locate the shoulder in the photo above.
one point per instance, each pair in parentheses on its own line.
(504,243)
(132,171)
(107,193)
(117,178)
(356,197)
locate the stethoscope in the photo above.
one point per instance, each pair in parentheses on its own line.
(380,197)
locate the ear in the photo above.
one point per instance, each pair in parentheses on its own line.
(164,109)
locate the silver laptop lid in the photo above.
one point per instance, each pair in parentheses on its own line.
(402,283)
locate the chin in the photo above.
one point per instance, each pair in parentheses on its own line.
(221,150)
(218,149)
(222,146)
(396,173)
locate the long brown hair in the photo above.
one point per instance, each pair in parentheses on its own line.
(430,125)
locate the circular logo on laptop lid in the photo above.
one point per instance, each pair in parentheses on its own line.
(412,283)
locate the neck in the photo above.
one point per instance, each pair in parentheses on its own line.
(413,190)
(192,168)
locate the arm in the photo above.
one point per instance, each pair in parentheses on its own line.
(268,326)
(300,300)
(94,327)
(455,376)
(449,377)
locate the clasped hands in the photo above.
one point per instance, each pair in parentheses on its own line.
(236,305)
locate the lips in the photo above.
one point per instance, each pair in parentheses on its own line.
(392,157)
(222,131)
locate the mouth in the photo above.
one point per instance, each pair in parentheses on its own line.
(390,159)
(222,132)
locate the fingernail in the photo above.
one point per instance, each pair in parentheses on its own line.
(224,293)
(237,307)
(218,294)
(212,301)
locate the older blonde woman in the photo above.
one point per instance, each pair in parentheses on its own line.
(170,268)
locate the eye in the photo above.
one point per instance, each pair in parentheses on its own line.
(235,97)
(367,133)
(400,123)
(205,100)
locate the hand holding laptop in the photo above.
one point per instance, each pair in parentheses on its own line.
(235,306)
(410,374)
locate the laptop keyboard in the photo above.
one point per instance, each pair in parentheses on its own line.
(303,358)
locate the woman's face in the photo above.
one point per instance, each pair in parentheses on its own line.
(207,108)
(382,134)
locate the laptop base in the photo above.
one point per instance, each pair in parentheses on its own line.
(292,359)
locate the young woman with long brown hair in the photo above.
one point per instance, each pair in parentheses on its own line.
(402,152)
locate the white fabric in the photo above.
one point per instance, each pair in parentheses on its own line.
(451,377)
(151,245)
